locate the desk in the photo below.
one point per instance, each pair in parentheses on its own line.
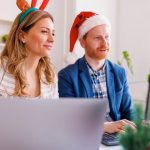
(103,147)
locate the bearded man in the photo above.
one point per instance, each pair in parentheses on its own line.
(93,75)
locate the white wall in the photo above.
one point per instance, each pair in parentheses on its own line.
(8,9)
(58,9)
(134,31)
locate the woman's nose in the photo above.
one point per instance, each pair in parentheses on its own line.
(50,37)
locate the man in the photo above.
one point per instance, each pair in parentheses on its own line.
(95,76)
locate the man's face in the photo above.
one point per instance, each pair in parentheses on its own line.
(97,42)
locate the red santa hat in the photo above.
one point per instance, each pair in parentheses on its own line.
(84,22)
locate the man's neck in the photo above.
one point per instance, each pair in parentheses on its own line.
(95,64)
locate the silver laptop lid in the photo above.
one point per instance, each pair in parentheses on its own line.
(68,124)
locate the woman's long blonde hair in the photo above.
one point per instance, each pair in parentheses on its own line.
(14,53)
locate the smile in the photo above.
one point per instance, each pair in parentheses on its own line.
(48,46)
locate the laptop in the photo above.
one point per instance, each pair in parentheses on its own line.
(64,124)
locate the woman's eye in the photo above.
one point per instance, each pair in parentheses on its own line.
(44,31)
(53,34)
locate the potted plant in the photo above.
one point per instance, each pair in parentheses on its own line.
(138,139)
(126,57)
(4,38)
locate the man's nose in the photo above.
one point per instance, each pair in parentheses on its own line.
(104,42)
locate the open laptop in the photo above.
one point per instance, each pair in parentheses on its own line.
(64,124)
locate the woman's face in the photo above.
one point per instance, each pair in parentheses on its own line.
(40,38)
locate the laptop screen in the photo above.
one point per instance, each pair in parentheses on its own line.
(68,124)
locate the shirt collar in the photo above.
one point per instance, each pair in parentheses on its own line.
(92,71)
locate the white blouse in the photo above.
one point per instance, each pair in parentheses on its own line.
(7,86)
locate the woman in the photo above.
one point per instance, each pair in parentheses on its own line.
(25,67)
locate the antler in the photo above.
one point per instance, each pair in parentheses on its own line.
(23,5)
(33,3)
(43,5)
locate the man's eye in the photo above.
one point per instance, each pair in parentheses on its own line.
(97,37)
(53,34)
(106,37)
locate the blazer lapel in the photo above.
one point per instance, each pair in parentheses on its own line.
(110,87)
(85,77)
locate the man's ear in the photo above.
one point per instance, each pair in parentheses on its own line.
(22,36)
(82,42)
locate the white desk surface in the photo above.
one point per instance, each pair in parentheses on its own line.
(103,147)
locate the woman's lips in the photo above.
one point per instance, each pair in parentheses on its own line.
(48,46)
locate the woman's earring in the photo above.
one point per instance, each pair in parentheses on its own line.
(23,41)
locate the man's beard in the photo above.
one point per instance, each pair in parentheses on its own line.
(99,55)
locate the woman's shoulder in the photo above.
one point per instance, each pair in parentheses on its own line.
(7,83)
(6,78)
(3,65)
(1,70)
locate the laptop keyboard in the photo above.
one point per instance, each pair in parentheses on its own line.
(110,139)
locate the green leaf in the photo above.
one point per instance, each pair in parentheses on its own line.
(148,77)
(126,57)
(4,38)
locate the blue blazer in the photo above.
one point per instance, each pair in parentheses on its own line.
(75,81)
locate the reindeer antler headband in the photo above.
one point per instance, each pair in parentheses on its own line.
(26,8)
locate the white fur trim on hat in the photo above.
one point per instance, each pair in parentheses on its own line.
(92,22)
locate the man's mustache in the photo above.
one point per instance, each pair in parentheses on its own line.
(103,48)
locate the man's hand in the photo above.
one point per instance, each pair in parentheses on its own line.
(118,126)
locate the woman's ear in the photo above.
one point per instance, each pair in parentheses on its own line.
(22,37)
(82,43)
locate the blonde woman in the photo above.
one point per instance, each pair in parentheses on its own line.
(25,66)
